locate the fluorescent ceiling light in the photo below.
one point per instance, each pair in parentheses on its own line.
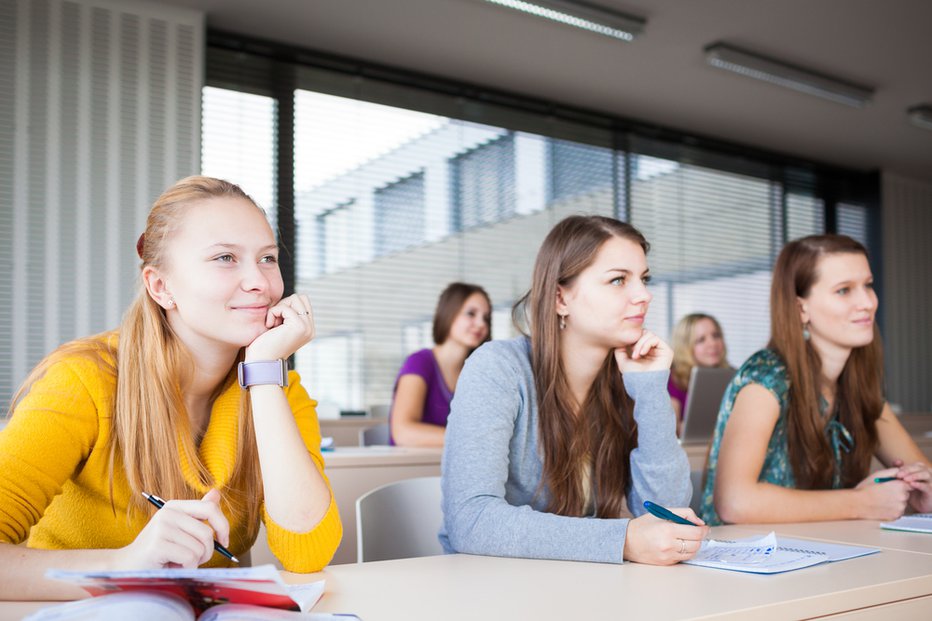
(581,15)
(921,116)
(754,65)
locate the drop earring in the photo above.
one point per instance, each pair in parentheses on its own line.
(806,334)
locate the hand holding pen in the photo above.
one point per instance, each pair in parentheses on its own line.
(159,503)
(671,539)
(918,476)
(882,495)
(177,535)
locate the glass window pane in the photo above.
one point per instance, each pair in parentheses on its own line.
(805,215)
(712,243)
(392,204)
(238,143)
(852,221)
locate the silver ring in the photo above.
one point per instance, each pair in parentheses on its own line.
(682,546)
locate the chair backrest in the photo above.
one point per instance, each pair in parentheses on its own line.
(372,436)
(399,520)
(381,410)
(696,476)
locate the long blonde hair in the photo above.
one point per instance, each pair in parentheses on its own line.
(151,434)
(606,429)
(684,343)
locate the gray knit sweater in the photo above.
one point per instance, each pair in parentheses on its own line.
(492,465)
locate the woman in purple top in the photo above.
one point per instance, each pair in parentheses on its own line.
(427,379)
(697,342)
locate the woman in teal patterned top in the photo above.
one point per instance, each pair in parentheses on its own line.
(802,419)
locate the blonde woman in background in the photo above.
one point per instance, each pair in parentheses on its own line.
(188,401)
(698,341)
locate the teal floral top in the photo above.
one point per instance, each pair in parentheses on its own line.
(767,369)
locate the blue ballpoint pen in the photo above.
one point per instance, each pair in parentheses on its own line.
(666,514)
(159,503)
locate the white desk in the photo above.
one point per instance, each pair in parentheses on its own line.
(345,430)
(890,585)
(353,471)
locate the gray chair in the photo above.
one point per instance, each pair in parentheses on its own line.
(381,410)
(399,520)
(374,436)
(696,476)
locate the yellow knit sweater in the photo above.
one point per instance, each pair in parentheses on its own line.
(54,475)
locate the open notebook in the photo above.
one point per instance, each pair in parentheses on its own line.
(771,554)
(918,523)
(241,593)
(169,607)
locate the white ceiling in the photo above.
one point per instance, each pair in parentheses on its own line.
(661,77)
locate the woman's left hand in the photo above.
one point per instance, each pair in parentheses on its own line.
(648,354)
(919,478)
(290,326)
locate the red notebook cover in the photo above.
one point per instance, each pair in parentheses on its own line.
(203,588)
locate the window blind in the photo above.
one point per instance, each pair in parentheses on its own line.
(401,188)
(100,112)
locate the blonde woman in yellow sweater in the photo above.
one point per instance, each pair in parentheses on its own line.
(186,402)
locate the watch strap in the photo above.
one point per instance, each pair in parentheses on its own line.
(262,372)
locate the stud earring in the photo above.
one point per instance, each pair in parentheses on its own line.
(563,322)
(806,334)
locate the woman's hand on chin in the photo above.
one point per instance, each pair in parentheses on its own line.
(649,353)
(290,326)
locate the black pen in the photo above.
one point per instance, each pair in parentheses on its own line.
(159,503)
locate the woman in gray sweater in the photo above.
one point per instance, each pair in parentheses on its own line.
(552,435)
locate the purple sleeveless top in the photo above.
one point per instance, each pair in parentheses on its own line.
(437,401)
(676,393)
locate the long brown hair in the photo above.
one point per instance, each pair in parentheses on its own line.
(605,427)
(151,435)
(449,305)
(684,344)
(859,397)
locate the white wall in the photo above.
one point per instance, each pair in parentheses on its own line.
(907,291)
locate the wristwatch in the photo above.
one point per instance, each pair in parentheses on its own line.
(262,372)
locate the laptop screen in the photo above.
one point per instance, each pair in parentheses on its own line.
(703,399)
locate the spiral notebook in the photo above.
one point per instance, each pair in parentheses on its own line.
(771,554)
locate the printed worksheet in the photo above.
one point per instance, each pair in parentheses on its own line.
(770,555)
